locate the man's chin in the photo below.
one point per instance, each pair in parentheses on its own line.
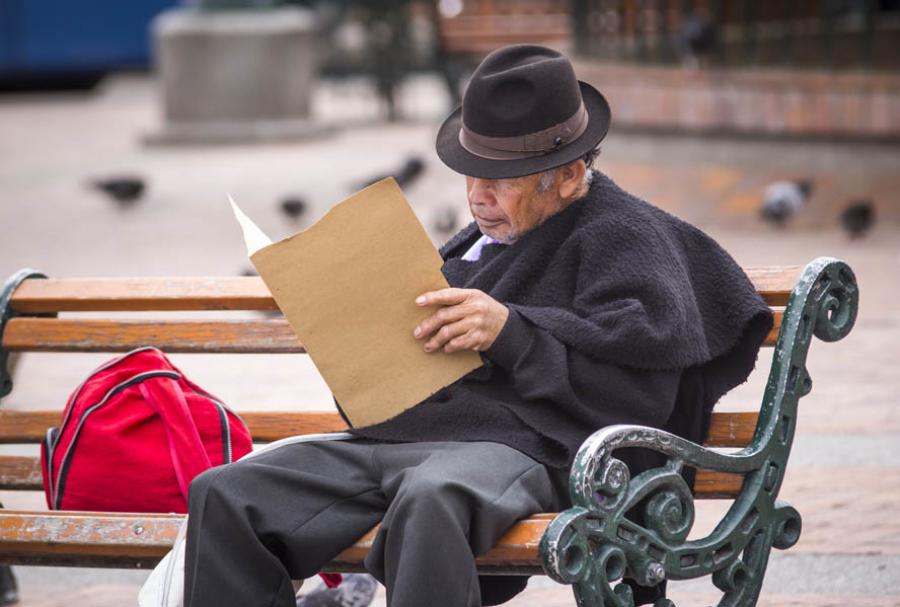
(503,237)
(496,231)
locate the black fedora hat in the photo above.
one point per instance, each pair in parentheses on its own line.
(523,112)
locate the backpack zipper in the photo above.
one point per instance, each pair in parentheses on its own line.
(50,439)
(59,487)
(226,431)
(223,410)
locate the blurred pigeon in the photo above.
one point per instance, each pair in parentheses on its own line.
(409,172)
(858,218)
(293,206)
(444,221)
(356,590)
(784,199)
(125,190)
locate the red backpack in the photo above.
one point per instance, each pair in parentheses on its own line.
(134,435)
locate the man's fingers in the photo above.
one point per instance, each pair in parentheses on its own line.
(468,320)
(442,297)
(462,342)
(447,333)
(440,318)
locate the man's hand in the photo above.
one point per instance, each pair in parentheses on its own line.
(470,320)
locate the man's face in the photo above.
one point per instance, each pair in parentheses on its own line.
(505,209)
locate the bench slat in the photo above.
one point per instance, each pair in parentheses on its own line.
(25,427)
(271,336)
(23,473)
(516,552)
(727,429)
(235,293)
(774,283)
(140,540)
(710,484)
(142,294)
(86,539)
(731,428)
(20,473)
(268,426)
(265,336)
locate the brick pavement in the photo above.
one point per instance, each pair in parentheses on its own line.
(847,478)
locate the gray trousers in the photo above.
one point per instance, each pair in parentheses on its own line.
(259,523)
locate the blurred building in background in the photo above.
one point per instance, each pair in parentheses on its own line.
(798,68)
(802,34)
(810,68)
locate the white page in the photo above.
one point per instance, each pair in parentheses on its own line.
(254,238)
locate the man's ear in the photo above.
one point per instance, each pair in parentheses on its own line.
(571,176)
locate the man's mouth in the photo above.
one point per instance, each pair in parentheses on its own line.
(488,223)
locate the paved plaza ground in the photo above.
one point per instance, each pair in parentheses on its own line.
(845,472)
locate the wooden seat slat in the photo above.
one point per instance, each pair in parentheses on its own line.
(23,473)
(727,429)
(731,428)
(25,427)
(268,426)
(148,294)
(235,293)
(774,283)
(772,337)
(268,336)
(717,485)
(109,539)
(20,473)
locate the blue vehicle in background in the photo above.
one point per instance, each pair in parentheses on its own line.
(59,44)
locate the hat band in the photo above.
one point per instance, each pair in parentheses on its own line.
(529,145)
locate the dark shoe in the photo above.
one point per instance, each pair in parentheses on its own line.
(356,590)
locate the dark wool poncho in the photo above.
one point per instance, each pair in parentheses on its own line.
(619,313)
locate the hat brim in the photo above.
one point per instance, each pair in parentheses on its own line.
(461,160)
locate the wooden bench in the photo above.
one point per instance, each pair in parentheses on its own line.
(590,546)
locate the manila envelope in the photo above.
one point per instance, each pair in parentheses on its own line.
(347,285)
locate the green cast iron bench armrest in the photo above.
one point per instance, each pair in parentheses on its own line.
(592,545)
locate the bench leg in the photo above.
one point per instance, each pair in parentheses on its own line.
(9,589)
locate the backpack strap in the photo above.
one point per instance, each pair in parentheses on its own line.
(189,457)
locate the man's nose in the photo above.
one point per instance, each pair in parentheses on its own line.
(479,192)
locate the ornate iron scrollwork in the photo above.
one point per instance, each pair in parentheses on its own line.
(592,545)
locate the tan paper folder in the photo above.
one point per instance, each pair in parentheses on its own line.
(347,285)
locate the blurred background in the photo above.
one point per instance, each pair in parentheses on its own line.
(773,125)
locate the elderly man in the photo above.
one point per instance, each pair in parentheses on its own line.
(589,306)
